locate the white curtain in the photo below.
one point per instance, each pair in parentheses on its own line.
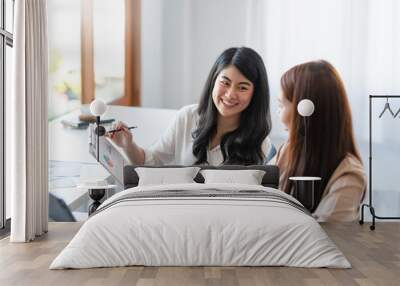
(361,38)
(27,116)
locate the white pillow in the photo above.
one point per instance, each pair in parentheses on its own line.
(248,177)
(163,176)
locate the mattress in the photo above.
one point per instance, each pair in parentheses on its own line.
(201,225)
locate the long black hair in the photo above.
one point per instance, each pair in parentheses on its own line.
(242,145)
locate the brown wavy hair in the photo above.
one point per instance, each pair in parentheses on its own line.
(330,135)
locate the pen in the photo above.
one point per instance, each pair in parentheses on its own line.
(119,129)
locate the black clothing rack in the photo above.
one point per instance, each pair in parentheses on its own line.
(369,205)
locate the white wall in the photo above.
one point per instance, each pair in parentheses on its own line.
(180,42)
(151,52)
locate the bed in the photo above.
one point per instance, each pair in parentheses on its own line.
(201,224)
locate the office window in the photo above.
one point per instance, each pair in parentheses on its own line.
(65,56)
(98,54)
(108,49)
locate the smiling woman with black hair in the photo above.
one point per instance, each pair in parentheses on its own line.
(230,125)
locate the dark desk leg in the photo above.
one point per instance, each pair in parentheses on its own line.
(302,191)
(96,195)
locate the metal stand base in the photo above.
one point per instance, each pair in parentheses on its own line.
(374,216)
(96,195)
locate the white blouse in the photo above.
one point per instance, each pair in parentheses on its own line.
(175,147)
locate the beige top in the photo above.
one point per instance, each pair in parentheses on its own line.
(343,193)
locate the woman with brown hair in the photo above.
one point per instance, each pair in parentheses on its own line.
(331,150)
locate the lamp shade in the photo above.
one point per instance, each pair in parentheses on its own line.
(305,107)
(98,107)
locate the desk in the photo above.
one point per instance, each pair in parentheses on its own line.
(70,161)
(71,145)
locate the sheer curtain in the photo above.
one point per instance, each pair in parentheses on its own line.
(27,122)
(360,38)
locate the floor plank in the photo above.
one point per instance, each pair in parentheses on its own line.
(374,255)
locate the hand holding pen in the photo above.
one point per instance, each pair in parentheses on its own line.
(121,135)
(120,129)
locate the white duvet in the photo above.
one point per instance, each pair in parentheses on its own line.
(183,231)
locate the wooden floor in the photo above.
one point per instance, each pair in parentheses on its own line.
(374,255)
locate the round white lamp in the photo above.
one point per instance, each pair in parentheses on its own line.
(98,107)
(305,107)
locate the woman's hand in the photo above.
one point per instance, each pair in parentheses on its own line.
(122,138)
